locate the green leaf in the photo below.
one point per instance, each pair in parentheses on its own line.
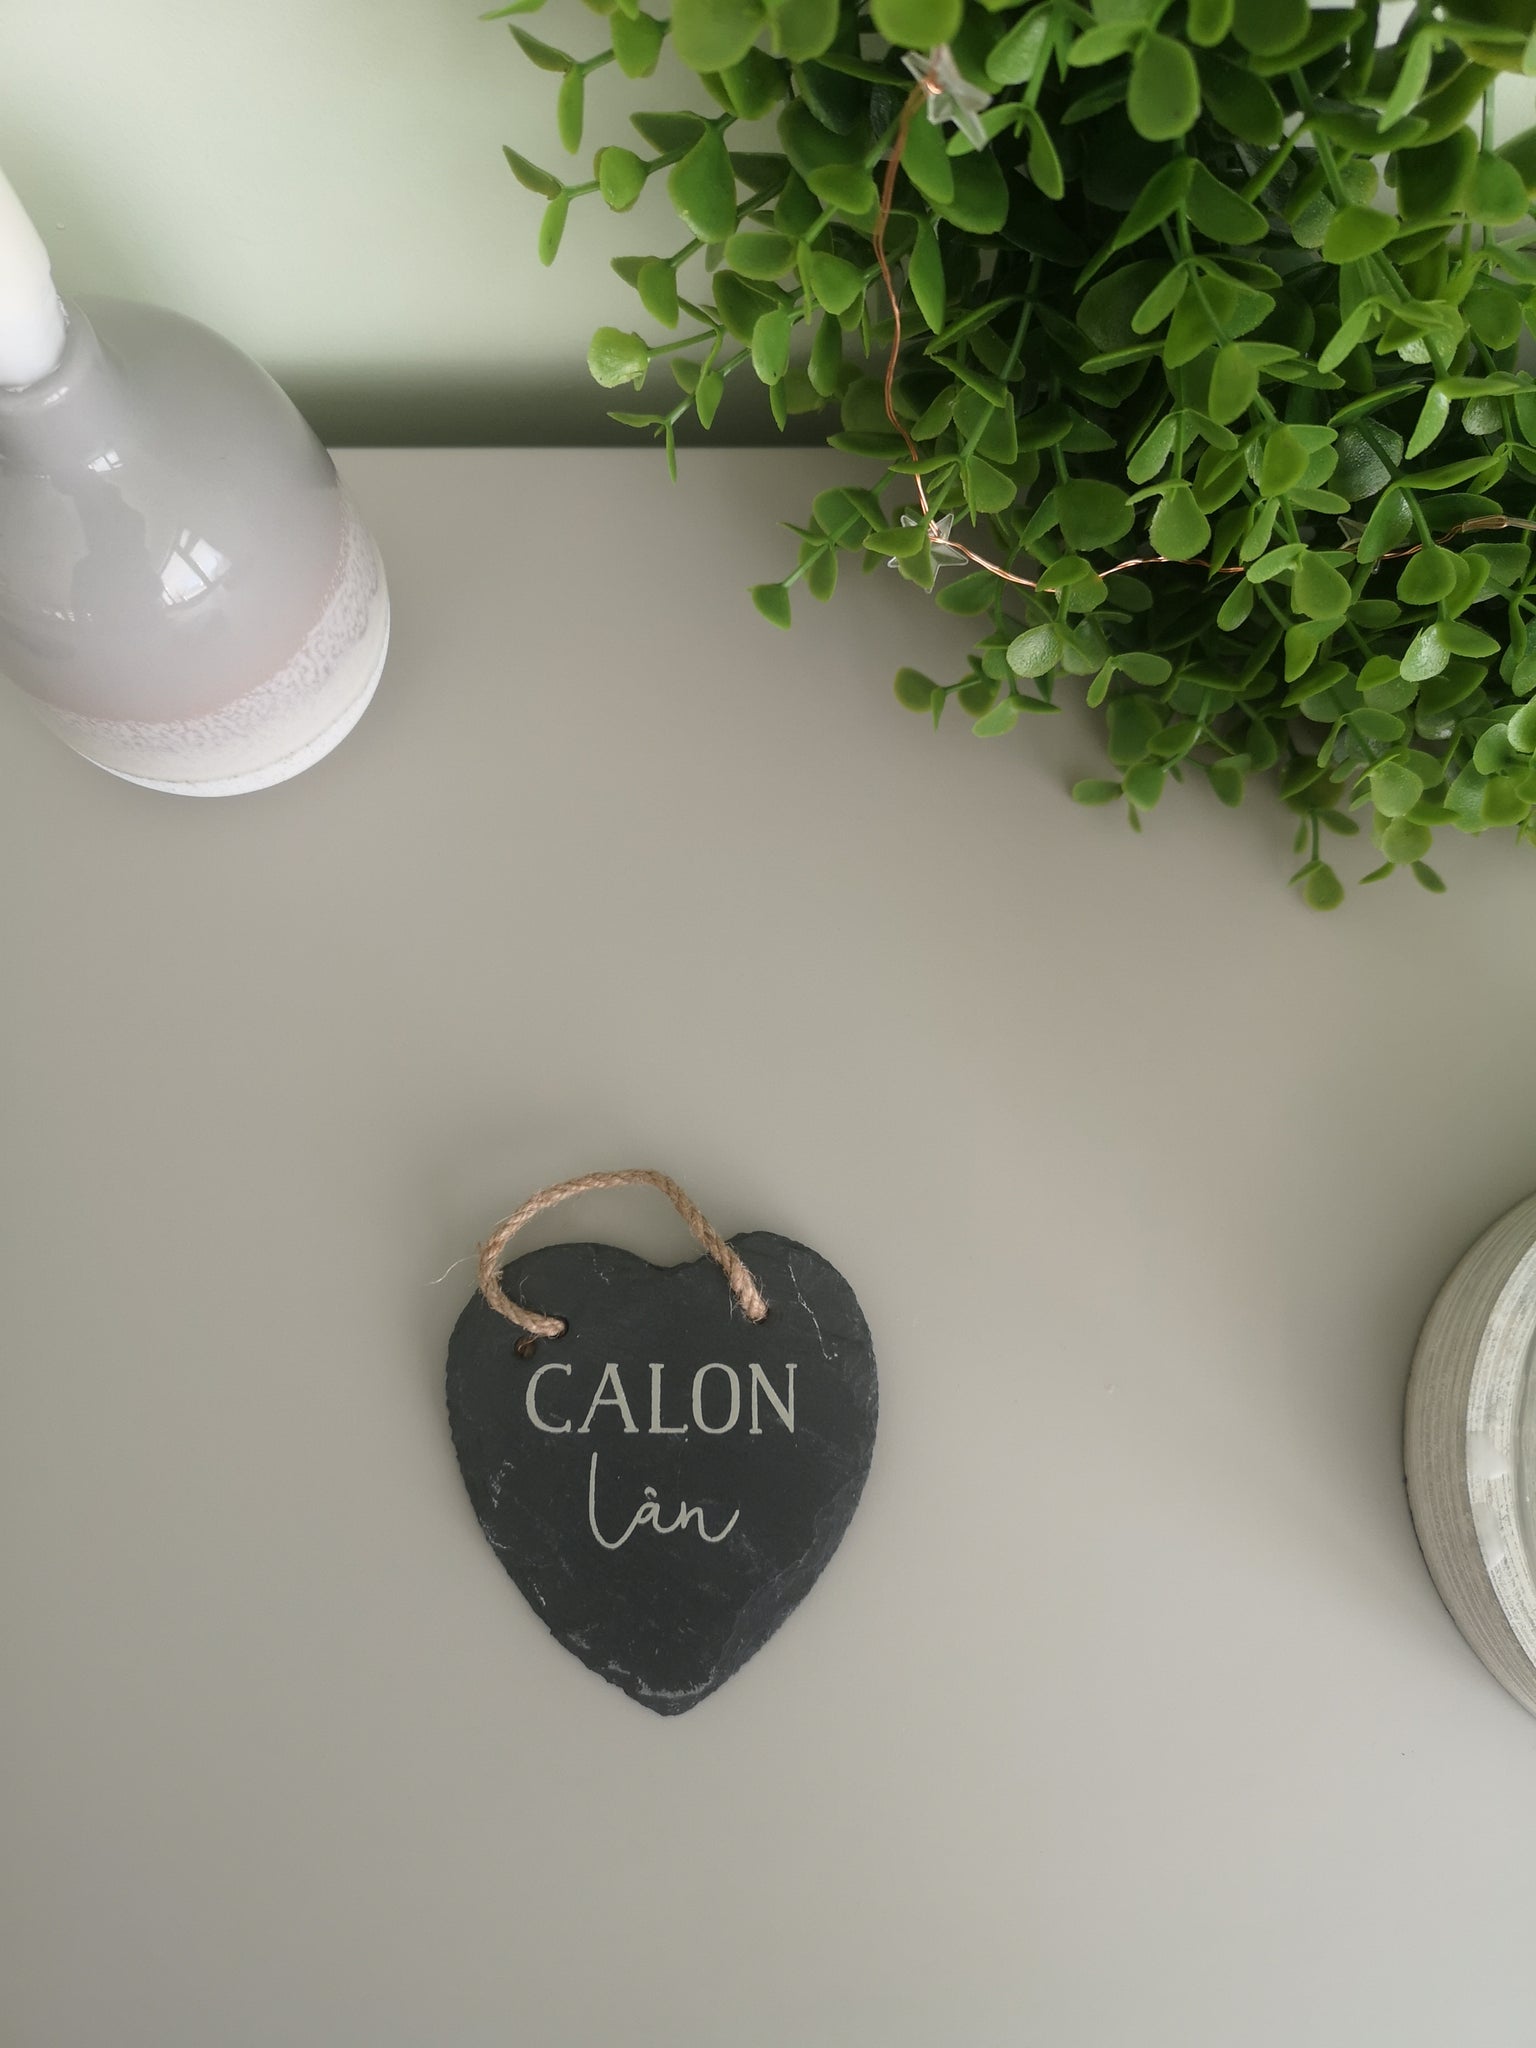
(834,283)
(552,227)
(616,357)
(1412,77)
(845,515)
(1404,842)
(1035,652)
(620,177)
(1227,781)
(545,183)
(821,574)
(826,360)
(1494,314)
(1164,98)
(913,688)
(1162,300)
(1015,58)
(1427,655)
(1108,40)
(1144,784)
(1493,754)
(1504,803)
(1043,164)
(803,29)
(1003,717)
(1498,197)
(772,600)
(1133,724)
(845,186)
(1522,729)
(770,346)
(1151,669)
(1390,524)
(1265,28)
(707,397)
(980,200)
(1349,334)
(1449,474)
(1434,178)
(1466,640)
(917,24)
(1431,421)
(1322,889)
(1163,194)
(1266,567)
(968,595)
(570,105)
(710,34)
(1318,591)
(987,489)
(925,276)
(755,84)
(760,255)
(1153,452)
(1208,22)
(1283,464)
(1394,789)
(702,188)
(1240,101)
(1095,791)
(668,132)
(1092,514)
(1427,576)
(1234,383)
(927,163)
(1221,213)
(636,40)
(1179,528)
(1520,150)
(900,541)
(1357,231)
(657,286)
(1428,878)
(545,55)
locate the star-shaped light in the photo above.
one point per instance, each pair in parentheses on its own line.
(938,538)
(950,97)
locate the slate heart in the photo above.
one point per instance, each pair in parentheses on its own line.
(666,1481)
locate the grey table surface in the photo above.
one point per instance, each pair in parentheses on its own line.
(1127,1712)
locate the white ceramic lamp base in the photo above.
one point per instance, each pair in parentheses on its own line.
(374,650)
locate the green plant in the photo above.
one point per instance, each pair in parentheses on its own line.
(1235,420)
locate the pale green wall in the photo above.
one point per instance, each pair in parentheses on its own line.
(323,181)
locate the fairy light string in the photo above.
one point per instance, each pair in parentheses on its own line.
(931,86)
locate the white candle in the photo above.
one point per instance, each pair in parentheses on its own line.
(31,318)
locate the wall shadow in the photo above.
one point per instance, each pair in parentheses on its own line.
(507,409)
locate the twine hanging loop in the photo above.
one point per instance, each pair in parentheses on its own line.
(535,1325)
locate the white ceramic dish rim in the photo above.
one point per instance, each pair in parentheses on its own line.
(1497,1406)
(1470,1434)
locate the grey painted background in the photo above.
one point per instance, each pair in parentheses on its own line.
(1125,1717)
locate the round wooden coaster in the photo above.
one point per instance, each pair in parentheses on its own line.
(1470,1448)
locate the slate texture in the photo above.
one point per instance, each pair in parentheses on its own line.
(664,1524)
